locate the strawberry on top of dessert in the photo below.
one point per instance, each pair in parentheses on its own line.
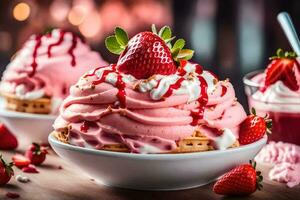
(150,99)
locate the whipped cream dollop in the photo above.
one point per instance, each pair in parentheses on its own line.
(107,106)
(47,65)
(284,159)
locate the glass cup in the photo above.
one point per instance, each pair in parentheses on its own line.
(286,124)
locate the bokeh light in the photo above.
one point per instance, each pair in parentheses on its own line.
(21,11)
(91,25)
(77,15)
(59,10)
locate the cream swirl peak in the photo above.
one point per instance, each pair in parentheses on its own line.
(149,101)
(50,64)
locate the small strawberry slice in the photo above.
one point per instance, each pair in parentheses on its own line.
(147,53)
(7,140)
(30,169)
(36,154)
(6,171)
(242,180)
(254,128)
(20,161)
(282,68)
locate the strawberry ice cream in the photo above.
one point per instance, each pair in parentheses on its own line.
(47,65)
(107,106)
(285,161)
(152,101)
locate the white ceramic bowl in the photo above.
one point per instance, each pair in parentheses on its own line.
(155,171)
(26,126)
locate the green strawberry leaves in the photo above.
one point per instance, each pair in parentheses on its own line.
(281,54)
(8,167)
(121,36)
(177,50)
(165,33)
(117,43)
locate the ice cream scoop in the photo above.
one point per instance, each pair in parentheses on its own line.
(47,65)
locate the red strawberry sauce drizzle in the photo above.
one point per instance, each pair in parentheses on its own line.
(71,49)
(202,101)
(174,86)
(224,90)
(120,84)
(38,39)
(121,95)
(60,40)
(84,127)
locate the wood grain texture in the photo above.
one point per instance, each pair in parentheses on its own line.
(69,183)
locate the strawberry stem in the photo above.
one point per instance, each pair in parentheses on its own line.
(8,167)
(281,54)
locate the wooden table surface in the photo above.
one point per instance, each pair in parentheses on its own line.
(52,183)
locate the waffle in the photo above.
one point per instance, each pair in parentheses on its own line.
(195,143)
(38,106)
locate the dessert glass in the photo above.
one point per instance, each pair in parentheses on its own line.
(285,121)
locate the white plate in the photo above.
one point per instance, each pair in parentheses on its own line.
(26,126)
(155,171)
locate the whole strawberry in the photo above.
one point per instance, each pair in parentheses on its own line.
(7,140)
(6,171)
(36,154)
(283,68)
(254,128)
(242,180)
(147,53)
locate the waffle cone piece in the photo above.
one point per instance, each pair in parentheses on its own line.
(195,143)
(37,106)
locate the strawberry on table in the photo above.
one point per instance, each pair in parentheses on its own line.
(6,171)
(20,161)
(282,68)
(147,53)
(7,140)
(36,154)
(254,128)
(242,180)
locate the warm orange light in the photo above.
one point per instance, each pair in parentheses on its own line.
(91,25)
(21,11)
(77,15)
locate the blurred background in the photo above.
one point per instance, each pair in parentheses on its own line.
(230,37)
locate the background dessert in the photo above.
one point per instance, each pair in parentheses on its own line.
(146,104)
(44,68)
(276,92)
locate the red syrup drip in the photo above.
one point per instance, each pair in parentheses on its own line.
(38,40)
(60,40)
(71,50)
(173,87)
(199,69)
(180,70)
(224,90)
(120,84)
(85,127)
(121,95)
(202,100)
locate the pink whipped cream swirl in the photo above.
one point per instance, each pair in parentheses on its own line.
(284,159)
(109,107)
(47,65)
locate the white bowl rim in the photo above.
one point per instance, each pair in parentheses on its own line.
(53,141)
(14,114)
